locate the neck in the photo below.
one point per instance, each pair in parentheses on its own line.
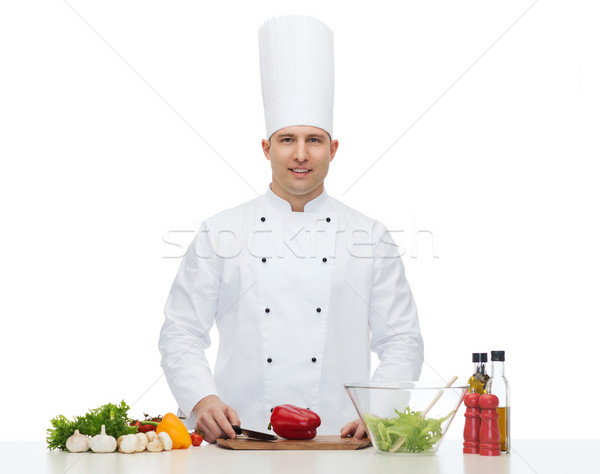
(296,201)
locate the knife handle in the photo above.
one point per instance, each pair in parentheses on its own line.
(237,429)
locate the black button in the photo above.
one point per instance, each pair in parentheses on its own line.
(318,310)
(267,310)
(264,259)
(314,359)
(262,219)
(328,219)
(324,259)
(272,409)
(269,360)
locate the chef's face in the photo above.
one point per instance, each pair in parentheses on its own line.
(299,157)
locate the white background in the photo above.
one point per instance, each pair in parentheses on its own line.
(121,125)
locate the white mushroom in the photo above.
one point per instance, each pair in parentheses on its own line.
(142,441)
(127,444)
(166,440)
(155,446)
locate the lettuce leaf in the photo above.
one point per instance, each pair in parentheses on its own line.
(114,417)
(409,432)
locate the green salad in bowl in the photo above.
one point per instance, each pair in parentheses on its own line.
(406,417)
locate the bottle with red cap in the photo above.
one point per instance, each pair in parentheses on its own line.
(498,385)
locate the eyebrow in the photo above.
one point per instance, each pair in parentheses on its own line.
(293,135)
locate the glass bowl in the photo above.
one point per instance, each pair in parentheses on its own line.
(406,417)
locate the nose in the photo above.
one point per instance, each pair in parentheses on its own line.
(301,152)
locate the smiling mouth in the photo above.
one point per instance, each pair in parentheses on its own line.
(299,170)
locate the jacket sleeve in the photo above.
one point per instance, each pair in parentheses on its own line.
(189,314)
(393,319)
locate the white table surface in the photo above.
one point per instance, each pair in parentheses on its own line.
(527,457)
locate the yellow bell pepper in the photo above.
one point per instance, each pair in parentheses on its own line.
(176,430)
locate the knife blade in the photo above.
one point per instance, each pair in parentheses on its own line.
(253,434)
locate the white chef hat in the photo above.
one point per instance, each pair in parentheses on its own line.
(296,71)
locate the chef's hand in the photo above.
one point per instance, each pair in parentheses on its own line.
(356,428)
(214,418)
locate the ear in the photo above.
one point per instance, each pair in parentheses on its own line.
(333,149)
(266,146)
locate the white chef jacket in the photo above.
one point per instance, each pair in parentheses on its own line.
(300,299)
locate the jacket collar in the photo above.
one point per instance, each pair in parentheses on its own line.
(311,206)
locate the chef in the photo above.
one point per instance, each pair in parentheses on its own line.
(301,287)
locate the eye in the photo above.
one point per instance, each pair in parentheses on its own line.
(315,140)
(286,139)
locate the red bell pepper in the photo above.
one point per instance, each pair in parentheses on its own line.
(147,425)
(292,422)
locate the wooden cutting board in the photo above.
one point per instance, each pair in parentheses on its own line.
(320,442)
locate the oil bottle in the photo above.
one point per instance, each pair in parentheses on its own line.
(498,385)
(479,379)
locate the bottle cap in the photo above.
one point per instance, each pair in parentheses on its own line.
(479,356)
(498,355)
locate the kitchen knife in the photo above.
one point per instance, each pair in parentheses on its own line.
(253,434)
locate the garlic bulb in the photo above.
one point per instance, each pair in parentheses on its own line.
(103,443)
(78,443)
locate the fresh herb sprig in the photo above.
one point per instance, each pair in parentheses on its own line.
(113,417)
